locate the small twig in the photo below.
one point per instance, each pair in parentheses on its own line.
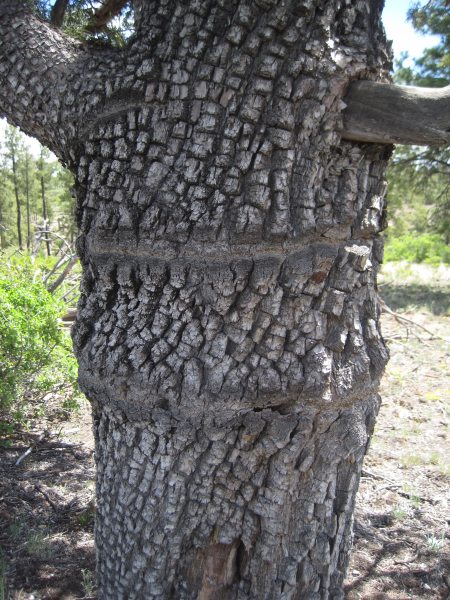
(55,445)
(52,504)
(407,563)
(367,473)
(394,486)
(398,317)
(67,431)
(414,496)
(71,293)
(39,448)
(23,456)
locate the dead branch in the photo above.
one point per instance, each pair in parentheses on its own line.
(385,113)
(59,263)
(59,280)
(69,317)
(106,12)
(70,294)
(392,485)
(64,242)
(56,445)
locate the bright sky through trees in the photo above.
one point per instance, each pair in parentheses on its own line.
(403,35)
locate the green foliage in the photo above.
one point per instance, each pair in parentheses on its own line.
(433,67)
(3,589)
(35,352)
(39,181)
(78,16)
(419,192)
(427,248)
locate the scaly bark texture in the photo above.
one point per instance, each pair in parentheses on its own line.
(228,332)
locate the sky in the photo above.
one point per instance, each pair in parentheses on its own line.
(402,34)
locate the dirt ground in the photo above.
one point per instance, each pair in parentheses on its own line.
(401,547)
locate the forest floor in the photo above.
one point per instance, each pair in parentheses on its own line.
(401,548)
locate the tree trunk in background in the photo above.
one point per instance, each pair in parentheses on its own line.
(27,198)
(45,217)
(2,227)
(18,206)
(228,330)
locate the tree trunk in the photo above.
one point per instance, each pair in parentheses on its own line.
(45,216)
(227,332)
(2,226)
(18,206)
(27,199)
(258,510)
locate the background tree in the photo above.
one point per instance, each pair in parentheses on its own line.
(419,178)
(90,19)
(27,176)
(6,201)
(15,152)
(44,173)
(63,202)
(228,332)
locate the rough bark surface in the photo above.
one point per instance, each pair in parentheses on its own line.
(228,330)
(261,510)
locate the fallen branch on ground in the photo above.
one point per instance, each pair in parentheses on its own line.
(401,318)
(392,485)
(46,496)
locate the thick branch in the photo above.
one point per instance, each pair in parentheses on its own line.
(35,61)
(48,82)
(106,12)
(58,12)
(393,114)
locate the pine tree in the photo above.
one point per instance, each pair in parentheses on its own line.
(14,151)
(419,177)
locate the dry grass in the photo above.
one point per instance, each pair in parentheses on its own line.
(401,546)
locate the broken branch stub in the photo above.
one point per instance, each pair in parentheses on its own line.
(393,114)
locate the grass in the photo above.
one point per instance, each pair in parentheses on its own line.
(39,545)
(433,396)
(435,544)
(416,287)
(412,460)
(434,459)
(87,582)
(16,529)
(3,588)
(414,498)
(400,512)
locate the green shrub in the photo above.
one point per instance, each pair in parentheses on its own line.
(35,352)
(427,248)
